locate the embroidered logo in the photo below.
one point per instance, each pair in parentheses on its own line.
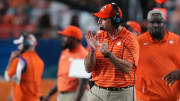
(171,42)
(145,44)
(119,43)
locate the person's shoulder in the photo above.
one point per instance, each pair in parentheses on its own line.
(16,59)
(129,36)
(26,54)
(173,35)
(65,51)
(83,51)
(142,37)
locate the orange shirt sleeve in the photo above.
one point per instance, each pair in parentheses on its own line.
(131,51)
(12,69)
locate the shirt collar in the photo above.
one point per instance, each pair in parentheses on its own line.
(165,38)
(122,34)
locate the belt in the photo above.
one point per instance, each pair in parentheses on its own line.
(113,88)
(65,92)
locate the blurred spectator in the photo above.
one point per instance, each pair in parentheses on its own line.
(19,21)
(175,19)
(16,3)
(40,8)
(135,10)
(5,28)
(3,7)
(45,29)
(147,5)
(87,22)
(170,4)
(59,14)
(75,20)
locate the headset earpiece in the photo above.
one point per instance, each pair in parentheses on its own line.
(26,43)
(116,19)
(25,40)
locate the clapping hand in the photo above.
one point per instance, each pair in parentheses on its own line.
(104,49)
(92,43)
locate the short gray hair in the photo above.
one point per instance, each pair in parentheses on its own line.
(155,11)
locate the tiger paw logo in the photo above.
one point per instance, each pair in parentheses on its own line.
(102,9)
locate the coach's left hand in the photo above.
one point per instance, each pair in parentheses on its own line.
(172,77)
(104,49)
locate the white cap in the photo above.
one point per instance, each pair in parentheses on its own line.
(19,40)
(31,40)
(155,11)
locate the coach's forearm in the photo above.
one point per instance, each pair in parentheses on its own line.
(90,61)
(120,64)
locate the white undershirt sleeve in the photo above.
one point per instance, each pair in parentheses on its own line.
(19,69)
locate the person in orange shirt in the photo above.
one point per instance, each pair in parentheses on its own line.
(135,26)
(159,55)
(25,69)
(72,49)
(112,58)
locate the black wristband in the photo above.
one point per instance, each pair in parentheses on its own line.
(107,55)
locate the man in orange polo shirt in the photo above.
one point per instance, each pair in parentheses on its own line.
(72,49)
(25,69)
(112,58)
(159,55)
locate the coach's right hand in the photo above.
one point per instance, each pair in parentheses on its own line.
(14,54)
(92,43)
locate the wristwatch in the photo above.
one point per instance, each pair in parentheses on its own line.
(107,55)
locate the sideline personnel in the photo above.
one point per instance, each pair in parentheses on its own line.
(25,68)
(112,58)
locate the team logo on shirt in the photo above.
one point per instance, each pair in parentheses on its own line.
(70,59)
(171,42)
(119,43)
(145,44)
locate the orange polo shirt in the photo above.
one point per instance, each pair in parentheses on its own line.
(156,59)
(29,88)
(105,74)
(66,83)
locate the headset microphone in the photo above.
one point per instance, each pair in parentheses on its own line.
(101,28)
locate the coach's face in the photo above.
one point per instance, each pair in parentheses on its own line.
(105,23)
(157,26)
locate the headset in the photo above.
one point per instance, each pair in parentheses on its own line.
(116,19)
(26,43)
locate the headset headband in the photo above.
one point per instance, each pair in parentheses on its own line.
(116,19)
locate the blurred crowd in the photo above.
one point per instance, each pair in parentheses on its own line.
(45,17)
